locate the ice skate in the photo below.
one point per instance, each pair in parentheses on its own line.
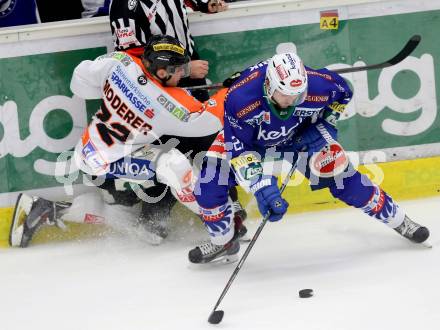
(413,231)
(208,252)
(30,214)
(153,223)
(153,231)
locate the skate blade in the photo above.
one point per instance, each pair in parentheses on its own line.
(224,260)
(229,259)
(216,262)
(427,244)
(21,211)
(245,239)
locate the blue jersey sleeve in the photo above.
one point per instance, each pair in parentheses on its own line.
(238,135)
(342,96)
(344,92)
(244,96)
(245,162)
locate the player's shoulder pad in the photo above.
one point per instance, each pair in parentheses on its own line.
(327,79)
(245,96)
(248,77)
(122,57)
(325,74)
(249,85)
(245,101)
(250,108)
(320,73)
(238,114)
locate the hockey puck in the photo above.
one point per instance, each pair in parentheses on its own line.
(305,293)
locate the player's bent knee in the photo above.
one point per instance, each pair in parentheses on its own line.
(352,191)
(174,169)
(329,162)
(329,166)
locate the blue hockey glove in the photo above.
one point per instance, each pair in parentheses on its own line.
(269,199)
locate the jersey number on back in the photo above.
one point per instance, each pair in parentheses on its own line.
(110,131)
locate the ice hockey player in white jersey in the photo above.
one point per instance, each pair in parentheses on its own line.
(140,103)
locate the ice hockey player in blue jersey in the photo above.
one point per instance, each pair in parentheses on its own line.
(280,108)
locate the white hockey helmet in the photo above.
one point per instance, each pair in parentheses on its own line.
(286,74)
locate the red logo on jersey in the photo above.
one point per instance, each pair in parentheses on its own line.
(282,73)
(296,83)
(149,113)
(329,162)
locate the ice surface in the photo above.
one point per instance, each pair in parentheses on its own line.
(364,276)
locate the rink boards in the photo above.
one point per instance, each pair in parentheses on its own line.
(392,119)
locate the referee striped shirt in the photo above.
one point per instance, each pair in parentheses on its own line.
(133,22)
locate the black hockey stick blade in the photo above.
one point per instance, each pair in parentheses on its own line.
(407,50)
(216,317)
(404,53)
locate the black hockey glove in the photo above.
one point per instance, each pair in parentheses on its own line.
(228,82)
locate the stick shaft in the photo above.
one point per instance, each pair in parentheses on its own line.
(251,243)
(399,57)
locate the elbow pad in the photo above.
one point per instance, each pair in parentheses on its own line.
(248,170)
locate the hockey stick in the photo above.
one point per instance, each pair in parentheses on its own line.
(216,316)
(404,53)
(212,86)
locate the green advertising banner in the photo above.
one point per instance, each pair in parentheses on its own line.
(39,116)
(394,109)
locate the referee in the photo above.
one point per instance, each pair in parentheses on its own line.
(133,22)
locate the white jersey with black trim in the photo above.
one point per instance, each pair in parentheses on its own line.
(135,111)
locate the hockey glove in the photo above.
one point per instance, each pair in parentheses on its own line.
(228,82)
(269,199)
